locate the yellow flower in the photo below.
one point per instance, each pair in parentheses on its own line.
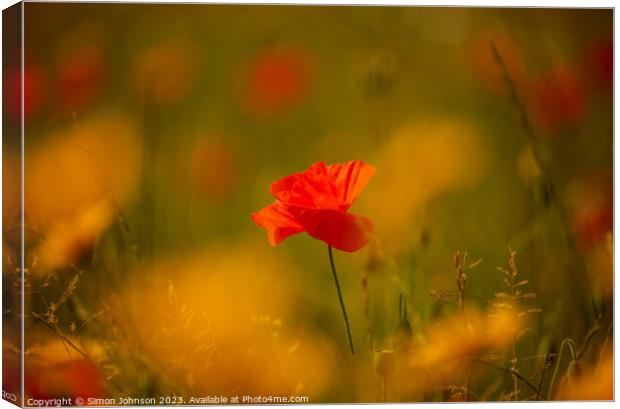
(74,180)
(421,161)
(221,323)
(451,342)
(593,384)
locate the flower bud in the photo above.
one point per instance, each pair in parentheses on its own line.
(385,362)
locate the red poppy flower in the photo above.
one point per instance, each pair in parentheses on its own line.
(80,76)
(34,91)
(316,202)
(78,377)
(485,65)
(593,212)
(214,169)
(598,58)
(279,79)
(558,99)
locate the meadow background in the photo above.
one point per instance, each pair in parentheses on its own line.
(152,133)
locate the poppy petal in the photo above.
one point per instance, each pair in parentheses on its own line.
(343,231)
(281,189)
(349,180)
(311,188)
(278,222)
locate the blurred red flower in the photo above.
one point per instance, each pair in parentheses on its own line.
(316,201)
(598,58)
(485,65)
(214,169)
(80,76)
(78,377)
(279,78)
(558,99)
(591,198)
(34,91)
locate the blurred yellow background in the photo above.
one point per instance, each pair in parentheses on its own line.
(152,132)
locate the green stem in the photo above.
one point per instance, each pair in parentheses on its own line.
(512,372)
(571,345)
(342,308)
(542,375)
(384,389)
(546,176)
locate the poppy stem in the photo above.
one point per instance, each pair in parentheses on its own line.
(342,308)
